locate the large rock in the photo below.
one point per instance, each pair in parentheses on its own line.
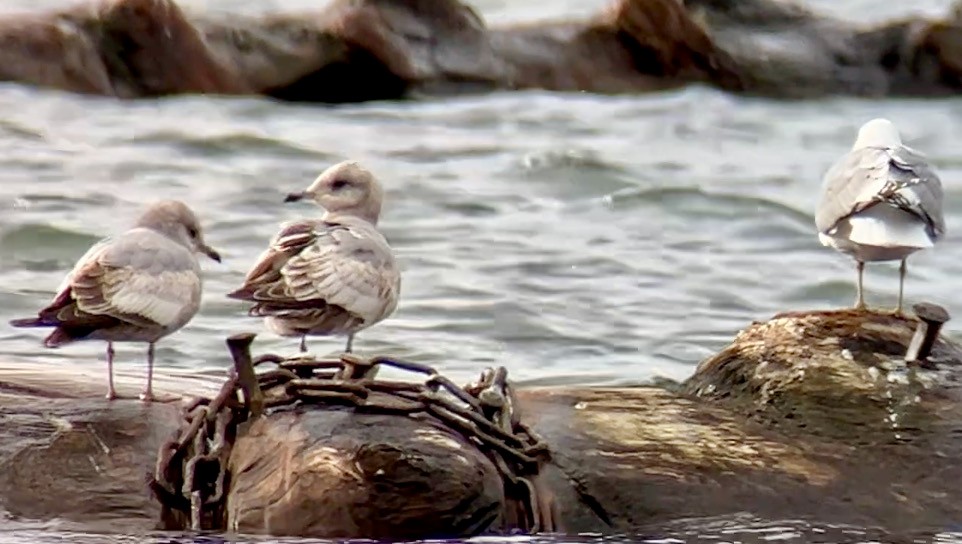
(836,373)
(359,50)
(782,48)
(81,461)
(336,474)
(354,50)
(122,48)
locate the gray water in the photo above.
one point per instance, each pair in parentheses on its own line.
(574,238)
(735,529)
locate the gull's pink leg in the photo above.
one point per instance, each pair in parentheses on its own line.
(111,394)
(148,394)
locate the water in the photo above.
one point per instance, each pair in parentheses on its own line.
(736,529)
(574,238)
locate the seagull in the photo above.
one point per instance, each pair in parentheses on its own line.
(880,202)
(139,286)
(330,276)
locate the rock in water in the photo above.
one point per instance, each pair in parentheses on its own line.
(839,373)
(341,474)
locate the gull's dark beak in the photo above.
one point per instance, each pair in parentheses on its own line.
(210,252)
(294,197)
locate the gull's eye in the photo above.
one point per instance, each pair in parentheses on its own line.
(339,184)
(192,232)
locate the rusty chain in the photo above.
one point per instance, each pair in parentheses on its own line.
(191,476)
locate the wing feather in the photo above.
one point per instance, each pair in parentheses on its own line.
(898,177)
(118,282)
(315,264)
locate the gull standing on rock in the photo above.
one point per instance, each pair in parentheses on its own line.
(330,276)
(880,202)
(139,286)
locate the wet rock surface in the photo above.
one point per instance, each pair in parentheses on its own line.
(811,415)
(336,474)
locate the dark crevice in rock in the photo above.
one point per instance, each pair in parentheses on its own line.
(360,77)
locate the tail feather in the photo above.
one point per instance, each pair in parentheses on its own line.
(61,336)
(242,294)
(30,322)
(888,230)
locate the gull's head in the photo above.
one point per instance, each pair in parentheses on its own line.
(346,188)
(177,221)
(877,133)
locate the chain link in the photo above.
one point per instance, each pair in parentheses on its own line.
(191,475)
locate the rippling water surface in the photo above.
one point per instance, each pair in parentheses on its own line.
(736,529)
(574,238)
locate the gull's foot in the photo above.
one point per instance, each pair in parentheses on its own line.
(897,312)
(113,395)
(147,396)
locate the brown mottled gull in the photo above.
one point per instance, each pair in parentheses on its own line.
(330,276)
(139,286)
(880,202)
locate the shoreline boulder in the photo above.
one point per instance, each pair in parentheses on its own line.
(359,50)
